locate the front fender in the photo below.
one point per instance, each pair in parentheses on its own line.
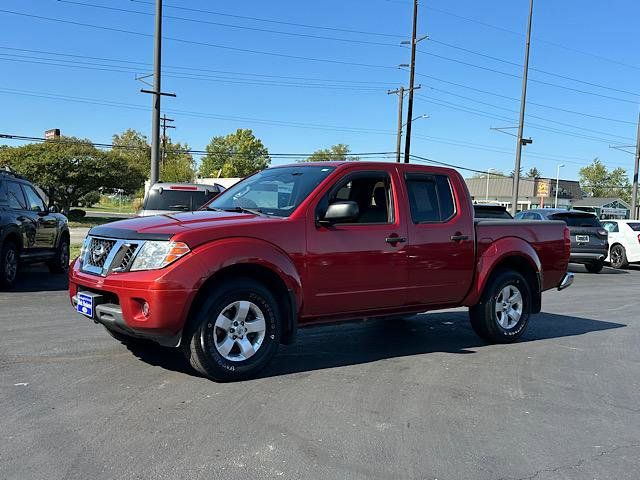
(493,255)
(220,254)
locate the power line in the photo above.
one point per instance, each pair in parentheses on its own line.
(506,97)
(204,44)
(541,82)
(516,64)
(520,34)
(239,27)
(278,22)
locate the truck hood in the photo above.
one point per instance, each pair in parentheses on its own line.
(163,227)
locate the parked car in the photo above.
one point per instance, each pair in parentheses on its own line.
(30,232)
(164,198)
(313,243)
(589,240)
(491,210)
(624,242)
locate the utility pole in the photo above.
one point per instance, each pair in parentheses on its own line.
(400,92)
(523,102)
(164,121)
(634,191)
(156,94)
(412,73)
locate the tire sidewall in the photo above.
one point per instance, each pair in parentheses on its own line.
(203,341)
(3,256)
(501,281)
(623,256)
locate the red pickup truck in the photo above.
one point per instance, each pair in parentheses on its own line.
(313,243)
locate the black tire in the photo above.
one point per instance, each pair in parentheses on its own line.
(618,257)
(9,263)
(200,338)
(60,263)
(594,267)
(484,318)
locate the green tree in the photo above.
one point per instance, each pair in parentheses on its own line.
(534,173)
(597,181)
(134,147)
(512,174)
(177,165)
(235,155)
(68,169)
(336,153)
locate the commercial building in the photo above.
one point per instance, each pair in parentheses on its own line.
(533,192)
(604,207)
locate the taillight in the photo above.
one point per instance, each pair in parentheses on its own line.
(639,238)
(567,239)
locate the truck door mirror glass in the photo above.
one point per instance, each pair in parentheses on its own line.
(344,211)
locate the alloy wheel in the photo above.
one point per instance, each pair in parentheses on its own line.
(508,307)
(10,265)
(239,331)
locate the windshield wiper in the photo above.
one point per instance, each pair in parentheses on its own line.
(245,210)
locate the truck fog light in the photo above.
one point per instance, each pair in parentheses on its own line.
(145,309)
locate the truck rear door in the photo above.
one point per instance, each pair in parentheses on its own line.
(441,241)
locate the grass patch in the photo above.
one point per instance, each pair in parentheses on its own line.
(74,250)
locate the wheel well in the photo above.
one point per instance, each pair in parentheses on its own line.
(524,268)
(64,234)
(13,236)
(269,279)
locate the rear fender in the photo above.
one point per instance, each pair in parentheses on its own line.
(501,253)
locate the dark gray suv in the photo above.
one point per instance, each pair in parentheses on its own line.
(589,240)
(29,231)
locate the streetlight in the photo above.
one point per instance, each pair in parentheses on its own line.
(486,197)
(416,118)
(557,182)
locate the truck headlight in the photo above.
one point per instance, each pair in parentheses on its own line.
(158,254)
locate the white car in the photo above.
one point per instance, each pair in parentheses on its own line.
(624,242)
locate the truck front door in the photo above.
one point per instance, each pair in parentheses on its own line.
(361,265)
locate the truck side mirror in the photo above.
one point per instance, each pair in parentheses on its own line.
(340,212)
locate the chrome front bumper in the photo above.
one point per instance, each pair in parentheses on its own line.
(567,280)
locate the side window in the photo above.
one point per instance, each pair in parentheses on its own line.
(430,198)
(531,216)
(34,202)
(610,226)
(15,196)
(370,190)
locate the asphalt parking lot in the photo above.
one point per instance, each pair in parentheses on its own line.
(419,399)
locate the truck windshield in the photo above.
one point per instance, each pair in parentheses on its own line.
(274,191)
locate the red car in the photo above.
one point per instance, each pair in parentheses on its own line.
(314,243)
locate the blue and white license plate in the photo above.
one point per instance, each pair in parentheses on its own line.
(85,304)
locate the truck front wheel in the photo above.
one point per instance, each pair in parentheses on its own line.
(503,312)
(235,332)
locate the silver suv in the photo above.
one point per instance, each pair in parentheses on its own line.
(165,198)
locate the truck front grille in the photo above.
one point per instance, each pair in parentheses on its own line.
(102,256)
(98,251)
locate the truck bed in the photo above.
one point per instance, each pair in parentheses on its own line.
(546,237)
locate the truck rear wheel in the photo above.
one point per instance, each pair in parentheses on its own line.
(503,312)
(235,331)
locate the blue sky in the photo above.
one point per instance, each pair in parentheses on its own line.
(250,74)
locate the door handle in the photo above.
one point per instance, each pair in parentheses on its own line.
(458,237)
(393,240)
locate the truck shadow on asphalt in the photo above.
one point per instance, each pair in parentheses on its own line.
(354,343)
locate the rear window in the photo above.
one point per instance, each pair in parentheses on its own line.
(176,200)
(577,219)
(492,212)
(634,226)
(430,198)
